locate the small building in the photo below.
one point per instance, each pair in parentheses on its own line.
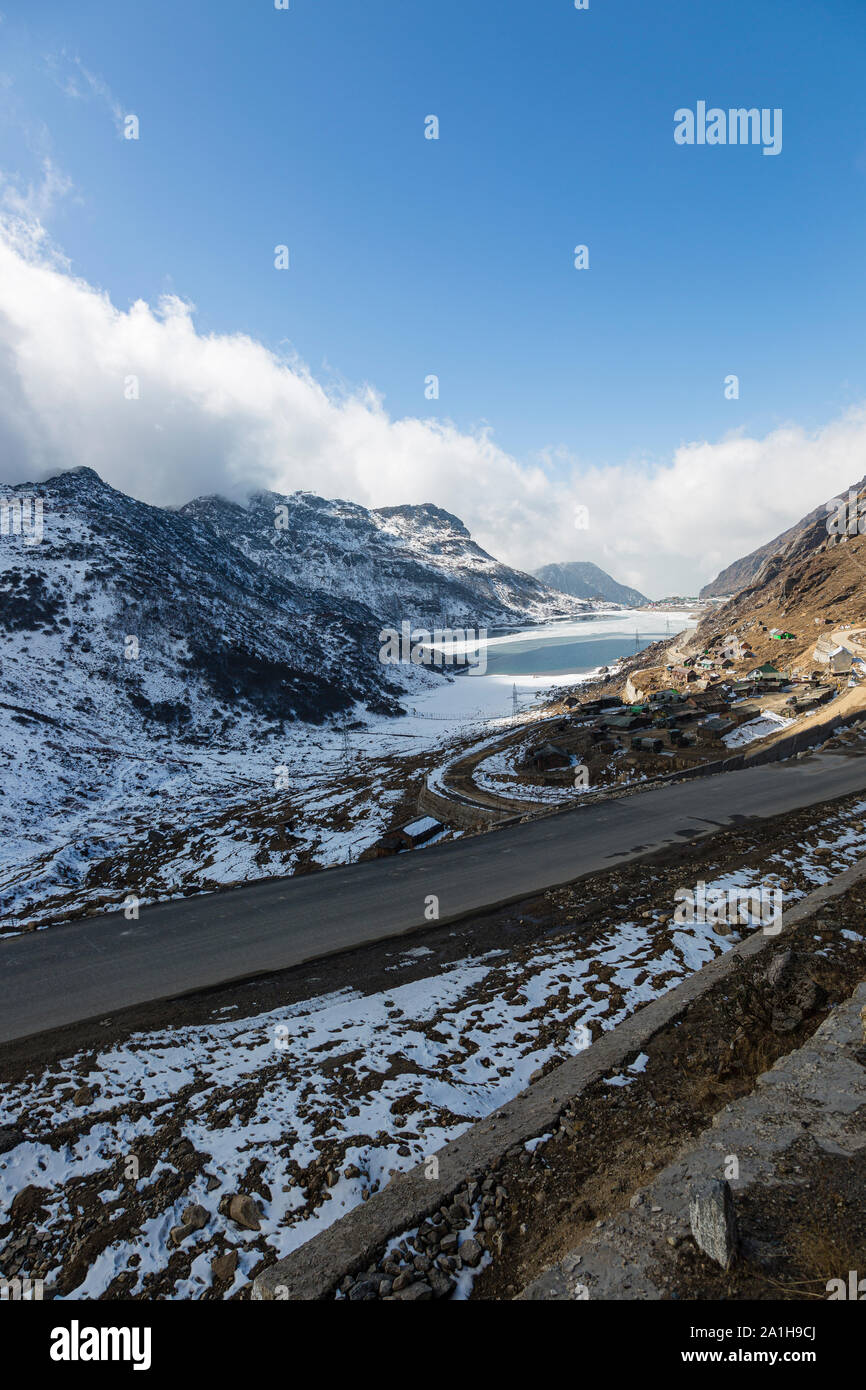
(664,697)
(680,739)
(607,745)
(602,702)
(417,832)
(708,701)
(732,648)
(715,728)
(836,658)
(624,721)
(643,744)
(809,698)
(688,716)
(768,675)
(747,709)
(841,661)
(549,758)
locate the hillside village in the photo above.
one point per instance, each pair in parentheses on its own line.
(674,716)
(660,720)
(783,658)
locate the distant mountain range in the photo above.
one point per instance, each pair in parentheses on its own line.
(582,579)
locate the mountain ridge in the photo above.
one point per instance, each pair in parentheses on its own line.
(583,579)
(411,561)
(742,572)
(814,584)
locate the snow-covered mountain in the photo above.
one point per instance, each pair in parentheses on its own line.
(154,612)
(417,563)
(157,665)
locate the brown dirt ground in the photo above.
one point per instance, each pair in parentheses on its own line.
(619,1138)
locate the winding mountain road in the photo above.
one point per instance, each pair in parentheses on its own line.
(88,969)
(850,638)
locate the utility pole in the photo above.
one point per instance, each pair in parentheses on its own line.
(514,700)
(346,750)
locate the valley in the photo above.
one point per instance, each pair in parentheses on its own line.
(437,879)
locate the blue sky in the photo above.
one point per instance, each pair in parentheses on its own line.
(454,257)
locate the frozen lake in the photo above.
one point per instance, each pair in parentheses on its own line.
(535,659)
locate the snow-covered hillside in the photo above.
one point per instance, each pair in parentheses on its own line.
(159,667)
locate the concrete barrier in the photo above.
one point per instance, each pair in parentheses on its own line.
(314,1270)
(464,814)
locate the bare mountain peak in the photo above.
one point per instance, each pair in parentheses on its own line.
(583,579)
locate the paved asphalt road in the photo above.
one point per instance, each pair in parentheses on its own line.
(92,968)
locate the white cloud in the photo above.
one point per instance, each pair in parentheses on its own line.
(78,82)
(222,413)
(31,204)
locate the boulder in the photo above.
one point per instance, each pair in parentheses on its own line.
(223,1267)
(240,1208)
(713,1221)
(415,1293)
(10,1136)
(195,1216)
(364,1289)
(440,1282)
(470,1253)
(27,1204)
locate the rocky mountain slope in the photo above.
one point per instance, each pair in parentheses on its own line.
(154,612)
(415,563)
(814,584)
(181,619)
(582,579)
(736,576)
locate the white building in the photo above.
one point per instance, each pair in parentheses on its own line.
(732,648)
(836,657)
